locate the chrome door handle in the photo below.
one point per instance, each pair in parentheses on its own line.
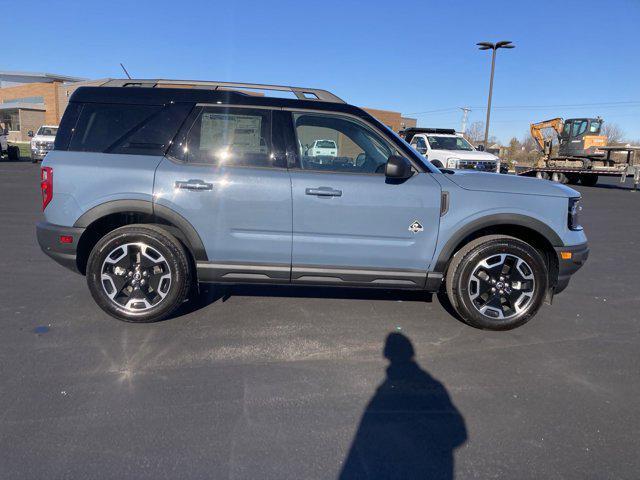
(324,192)
(193,185)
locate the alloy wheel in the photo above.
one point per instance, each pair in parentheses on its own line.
(501,286)
(135,276)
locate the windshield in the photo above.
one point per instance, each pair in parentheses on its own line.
(325,144)
(449,143)
(48,131)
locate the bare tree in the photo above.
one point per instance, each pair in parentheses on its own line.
(475,132)
(613,132)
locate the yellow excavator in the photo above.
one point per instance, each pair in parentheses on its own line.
(580,152)
(577,137)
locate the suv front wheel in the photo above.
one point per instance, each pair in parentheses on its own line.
(138,273)
(497,282)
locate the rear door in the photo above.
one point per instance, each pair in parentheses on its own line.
(227,176)
(351,225)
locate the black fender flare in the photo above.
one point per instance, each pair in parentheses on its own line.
(496,220)
(182,227)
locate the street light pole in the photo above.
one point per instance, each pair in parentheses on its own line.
(486,127)
(494,47)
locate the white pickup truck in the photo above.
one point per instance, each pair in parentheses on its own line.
(42,142)
(447,149)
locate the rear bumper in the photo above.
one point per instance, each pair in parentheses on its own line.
(49,241)
(567,267)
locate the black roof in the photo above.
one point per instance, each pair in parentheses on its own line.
(163,96)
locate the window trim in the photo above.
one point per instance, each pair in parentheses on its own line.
(357,119)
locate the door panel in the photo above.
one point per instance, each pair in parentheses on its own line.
(245,216)
(367,225)
(352,225)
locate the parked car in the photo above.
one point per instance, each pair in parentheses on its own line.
(150,191)
(321,148)
(448,149)
(42,141)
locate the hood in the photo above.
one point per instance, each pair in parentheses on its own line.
(466,155)
(43,138)
(495,182)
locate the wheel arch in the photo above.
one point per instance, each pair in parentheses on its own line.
(103,218)
(527,229)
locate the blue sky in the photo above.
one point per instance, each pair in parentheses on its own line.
(405,56)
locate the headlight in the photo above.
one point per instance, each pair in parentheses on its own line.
(575,213)
(453,162)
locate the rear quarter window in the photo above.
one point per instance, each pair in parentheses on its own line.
(100,126)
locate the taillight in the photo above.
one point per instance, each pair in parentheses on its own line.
(46,185)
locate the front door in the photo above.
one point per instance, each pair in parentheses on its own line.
(351,225)
(227,178)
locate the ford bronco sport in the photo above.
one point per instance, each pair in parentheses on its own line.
(150,190)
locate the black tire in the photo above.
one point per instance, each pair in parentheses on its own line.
(13,152)
(161,281)
(573,178)
(589,179)
(468,261)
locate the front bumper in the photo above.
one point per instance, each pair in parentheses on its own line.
(49,241)
(38,154)
(569,266)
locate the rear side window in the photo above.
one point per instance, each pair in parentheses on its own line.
(100,126)
(229,136)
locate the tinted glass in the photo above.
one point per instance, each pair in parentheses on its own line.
(579,127)
(153,137)
(449,143)
(359,149)
(67,124)
(100,125)
(230,136)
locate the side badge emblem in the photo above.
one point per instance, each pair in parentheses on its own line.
(415,227)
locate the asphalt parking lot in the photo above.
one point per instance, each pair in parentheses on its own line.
(293,383)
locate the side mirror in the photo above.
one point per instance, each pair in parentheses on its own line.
(481,148)
(398,167)
(30,133)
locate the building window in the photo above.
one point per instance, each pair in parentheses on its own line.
(10,119)
(24,100)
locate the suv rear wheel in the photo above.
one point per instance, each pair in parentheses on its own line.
(138,273)
(497,282)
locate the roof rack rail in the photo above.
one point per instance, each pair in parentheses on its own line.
(313,94)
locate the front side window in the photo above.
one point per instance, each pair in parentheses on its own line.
(449,143)
(335,143)
(230,136)
(594,127)
(579,127)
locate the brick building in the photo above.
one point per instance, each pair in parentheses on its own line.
(29,100)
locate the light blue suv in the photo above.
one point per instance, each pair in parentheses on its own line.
(151,189)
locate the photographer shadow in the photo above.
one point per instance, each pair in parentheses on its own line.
(410,427)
